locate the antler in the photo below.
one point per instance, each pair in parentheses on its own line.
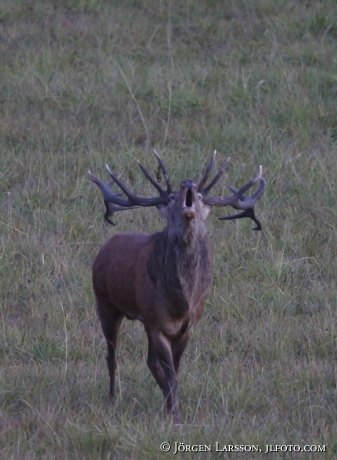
(111,206)
(247,203)
(114,203)
(238,200)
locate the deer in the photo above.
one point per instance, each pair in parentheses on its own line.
(162,279)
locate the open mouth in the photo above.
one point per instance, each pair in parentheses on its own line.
(189,199)
(188,205)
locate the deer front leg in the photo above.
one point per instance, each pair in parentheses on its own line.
(111,319)
(161,365)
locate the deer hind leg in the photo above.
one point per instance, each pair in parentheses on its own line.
(178,346)
(161,365)
(111,319)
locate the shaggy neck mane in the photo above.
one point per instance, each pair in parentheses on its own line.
(180,265)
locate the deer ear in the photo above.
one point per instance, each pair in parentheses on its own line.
(163,211)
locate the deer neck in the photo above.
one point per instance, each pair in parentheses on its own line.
(181,267)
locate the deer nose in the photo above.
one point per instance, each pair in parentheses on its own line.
(188,184)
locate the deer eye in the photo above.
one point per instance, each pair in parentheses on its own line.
(201,198)
(170,198)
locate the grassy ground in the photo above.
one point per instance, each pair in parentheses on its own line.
(88,82)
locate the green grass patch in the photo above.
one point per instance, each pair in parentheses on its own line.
(84,83)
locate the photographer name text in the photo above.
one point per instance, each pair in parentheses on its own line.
(180,447)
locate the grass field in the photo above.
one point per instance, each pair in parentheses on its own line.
(88,82)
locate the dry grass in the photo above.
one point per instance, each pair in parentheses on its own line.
(87,82)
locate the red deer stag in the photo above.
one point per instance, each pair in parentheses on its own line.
(162,279)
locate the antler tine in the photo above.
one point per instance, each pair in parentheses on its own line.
(254,180)
(207,172)
(238,194)
(166,174)
(255,196)
(150,178)
(247,203)
(247,213)
(234,200)
(119,183)
(216,177)
(137,200)
(111,208)
(107,195)
(111,184)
